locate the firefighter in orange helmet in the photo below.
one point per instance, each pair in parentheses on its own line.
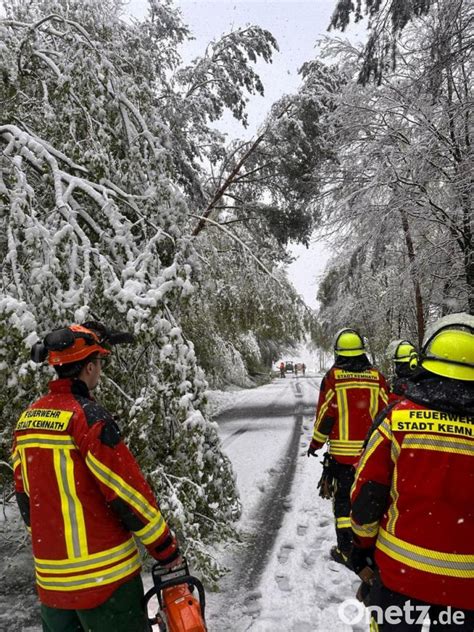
(351,394)
(83,496)
(413,496)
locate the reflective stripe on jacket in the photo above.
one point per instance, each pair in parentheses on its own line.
(348,403)
(423,527)
(72,468)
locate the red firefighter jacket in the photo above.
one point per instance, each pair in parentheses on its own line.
(348,403)
(81,493)
(413,497)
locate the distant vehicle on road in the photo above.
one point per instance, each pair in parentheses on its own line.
(289,367)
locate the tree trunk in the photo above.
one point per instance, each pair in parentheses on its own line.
(420,318)
(228,181)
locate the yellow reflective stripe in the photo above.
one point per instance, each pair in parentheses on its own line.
(343,414)
(318,436)
(374,442)
(439,443)
(395,451)
(79,524)
(120,487)
(374,402)
(349,385)
(153,530)
(350,442)
(24,472)
(39,440)
(71,507)
(16,460)
(393,513)
(344,522)
(106,576)
(369,530)
(351,448)
(72,551)
(384,428)
(436,562)
(374,391)
(384,396)
(324,407)
(467,558)
(86,563)
(348,452)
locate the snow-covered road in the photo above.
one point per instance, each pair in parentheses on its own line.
(281,576)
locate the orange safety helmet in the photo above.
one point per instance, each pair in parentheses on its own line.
(72,344)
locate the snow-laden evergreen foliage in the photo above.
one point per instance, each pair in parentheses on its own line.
(103,139)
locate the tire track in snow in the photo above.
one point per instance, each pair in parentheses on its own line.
(239,596)
(270,513)
(273,410)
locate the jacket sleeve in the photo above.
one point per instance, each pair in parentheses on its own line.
(371,489)
(124,487)
(325,415)
(21,494)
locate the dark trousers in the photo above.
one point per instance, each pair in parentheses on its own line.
(122,612)
(409,616)
(344,478)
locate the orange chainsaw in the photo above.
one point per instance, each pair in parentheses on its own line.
(179,610)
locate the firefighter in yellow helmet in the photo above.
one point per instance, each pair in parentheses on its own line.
(413,497)
(405,361)
(83,496)
(351,394)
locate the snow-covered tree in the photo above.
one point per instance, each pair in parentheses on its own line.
(400,196)
(248,302)
(104,136)
(386,21)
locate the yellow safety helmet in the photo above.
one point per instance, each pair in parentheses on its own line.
(448,349)
(403,352)
(349,343)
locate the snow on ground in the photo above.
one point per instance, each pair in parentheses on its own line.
(301,589)
(219,401)
(256,441)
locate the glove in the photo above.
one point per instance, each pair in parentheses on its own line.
(362,559)
(313,448)
(326,487)
(326,484)
(167,553)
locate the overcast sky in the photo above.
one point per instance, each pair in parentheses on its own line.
(296,25)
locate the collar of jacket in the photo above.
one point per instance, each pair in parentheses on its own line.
(441,393)
(68,385)
(356,363)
